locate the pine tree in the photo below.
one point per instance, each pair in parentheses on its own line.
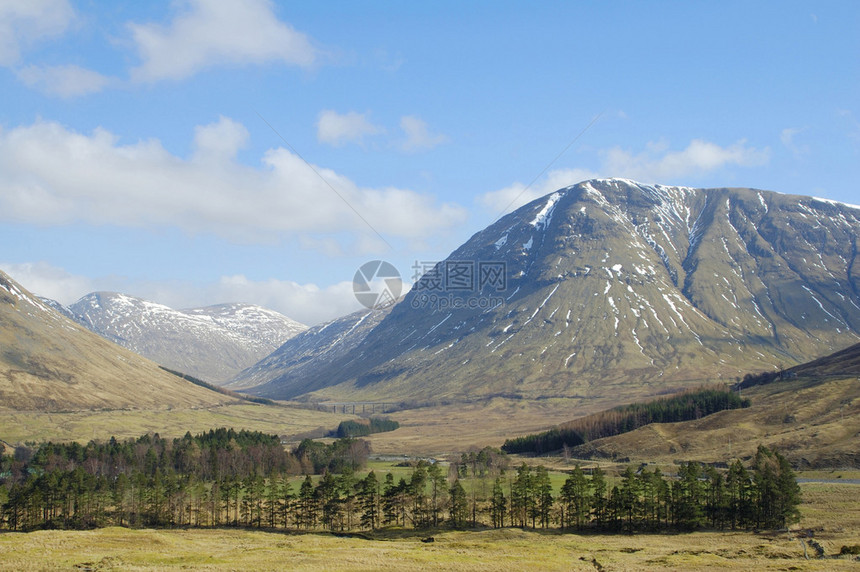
(543,497)
(629,499)
(600,500)
(739,495)
(368,500)
(522,496)
(459,510)
(389,501)
(498,503)
(437,490)
(307,509)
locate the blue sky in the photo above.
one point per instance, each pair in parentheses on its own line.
(203,151)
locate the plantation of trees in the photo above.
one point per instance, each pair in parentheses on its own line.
(365,427)
(683,407)
(227,478)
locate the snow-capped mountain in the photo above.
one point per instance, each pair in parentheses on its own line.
(50,363)
(293,363)
(212,343)
(612,287)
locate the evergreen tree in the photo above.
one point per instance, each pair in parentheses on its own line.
(576,499)
(390,509)
(629,499)
(417,491)
(368,500)
(543,497)
(522,496)
(459,510)
(600,499)
(306,515)
(498,503)
(437,491)
(777,494)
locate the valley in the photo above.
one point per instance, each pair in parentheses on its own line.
(614,292)
(405,286)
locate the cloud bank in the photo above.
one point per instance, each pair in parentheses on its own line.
(53,175)
(656,164)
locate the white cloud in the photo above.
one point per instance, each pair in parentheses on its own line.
(24,22)
(219,141)
(48,281)
(336,129)
(514,196)
(53,175)
(207,33)
(63,81)
(418,136)
(657,164)
(307,303)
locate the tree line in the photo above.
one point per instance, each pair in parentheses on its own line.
(683,407)
(479,490)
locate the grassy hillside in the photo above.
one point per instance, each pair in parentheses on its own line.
(50,363)
(813,423)
(844,363)
(684,406)
(810,413)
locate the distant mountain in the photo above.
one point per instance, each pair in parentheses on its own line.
(292,365)
(614,288)
(50,363)
(58,307)
(212,343)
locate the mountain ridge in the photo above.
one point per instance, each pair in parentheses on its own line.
(213,343)
(616,286)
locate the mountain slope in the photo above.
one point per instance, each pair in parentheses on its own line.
(212,343)
(618,288)
(293,364)
(50,363)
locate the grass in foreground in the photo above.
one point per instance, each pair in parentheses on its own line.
(508,549)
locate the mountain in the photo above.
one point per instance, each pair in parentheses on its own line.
(212,343)
(292,365)
(614,288)
(58,307)
(50,363)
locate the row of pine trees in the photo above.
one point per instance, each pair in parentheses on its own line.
(477,491)
(685,406)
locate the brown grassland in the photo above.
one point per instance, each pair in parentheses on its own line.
(831,511)
(37,426)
